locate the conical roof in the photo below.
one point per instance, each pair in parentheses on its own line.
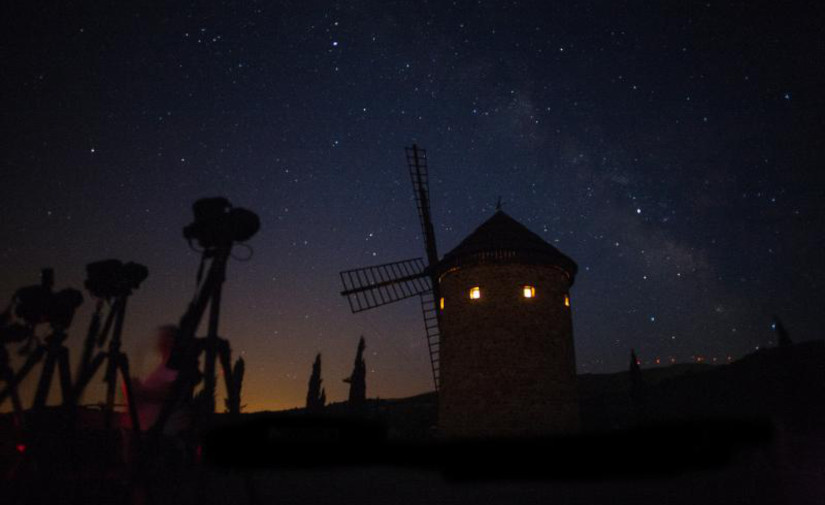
(502,238)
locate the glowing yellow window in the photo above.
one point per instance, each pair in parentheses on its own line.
(475,293)
(441,303)
(566,300)
(529,291)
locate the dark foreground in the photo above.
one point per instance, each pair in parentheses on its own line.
(749,432)
(327,460)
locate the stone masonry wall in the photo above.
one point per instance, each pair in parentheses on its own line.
(507,362)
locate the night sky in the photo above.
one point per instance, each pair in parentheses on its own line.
(671,148)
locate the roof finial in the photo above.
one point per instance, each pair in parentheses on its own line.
(498,204)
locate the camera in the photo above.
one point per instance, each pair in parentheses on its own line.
(219,224)
(112,278)
(39,304)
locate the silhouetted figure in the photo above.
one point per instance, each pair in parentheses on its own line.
(358,380)
(233,402)
(315,395)
(783,338)
(152,392)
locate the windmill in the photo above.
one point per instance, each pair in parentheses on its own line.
(373,286)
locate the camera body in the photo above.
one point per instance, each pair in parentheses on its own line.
(39,304)
(112,278)
(219,224)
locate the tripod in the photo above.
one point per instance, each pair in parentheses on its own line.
(189,348)
(57,355)
(116,362)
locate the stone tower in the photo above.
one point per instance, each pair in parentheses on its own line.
(506,353)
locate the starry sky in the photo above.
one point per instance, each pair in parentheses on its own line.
(673,149)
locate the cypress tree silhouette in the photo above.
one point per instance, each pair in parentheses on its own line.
(316,397)
(358,380)
(781,332)
(635,370)
(233,402)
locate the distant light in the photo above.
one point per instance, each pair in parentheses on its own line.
(21,448)
(638,211)
(334,43)
(441,303)
(475,293)
(529,292)
(566,300)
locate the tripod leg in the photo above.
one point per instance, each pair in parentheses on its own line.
(45,382)
(15,396)
(89,343)
(133,452)
(65,376)
(31,361)
(84,379)
(111,386)
(123,363)
(225,355)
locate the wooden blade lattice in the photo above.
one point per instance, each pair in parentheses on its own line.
(374,286)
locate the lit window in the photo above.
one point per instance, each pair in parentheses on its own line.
(441,303)
(475,293)
(566,300)
(529,291)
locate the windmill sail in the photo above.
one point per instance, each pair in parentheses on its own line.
(431,328)
(369,287)
(420,177)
